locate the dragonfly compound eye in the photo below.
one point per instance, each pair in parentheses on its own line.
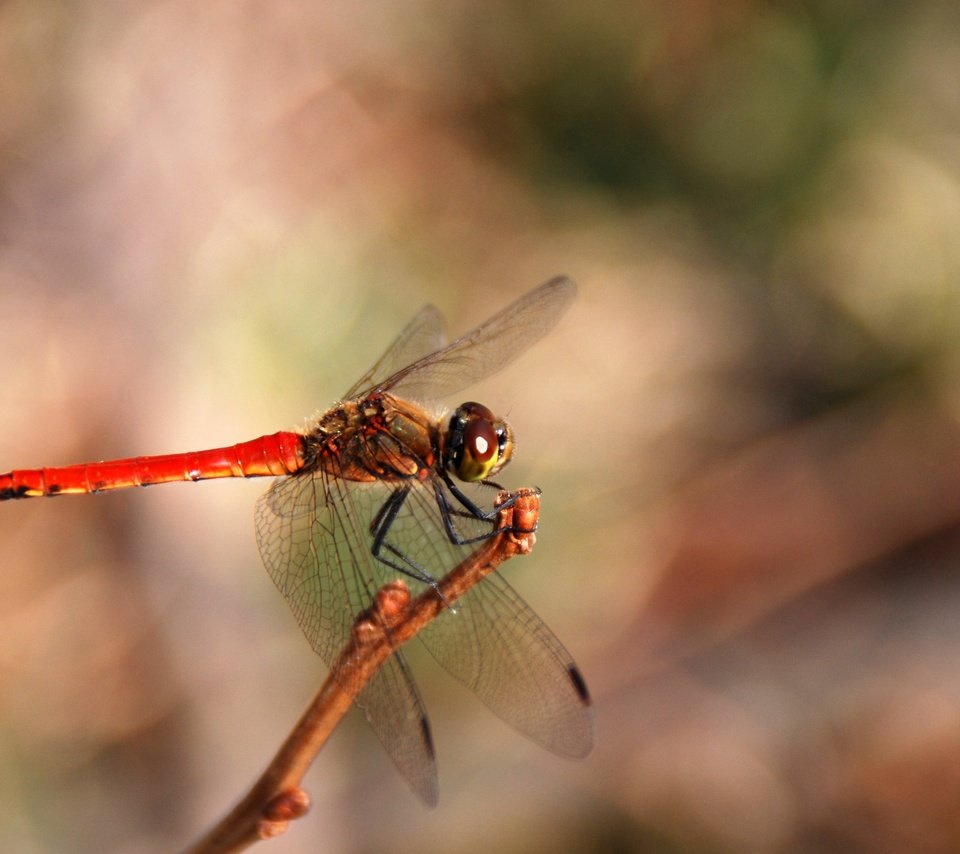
(479,444)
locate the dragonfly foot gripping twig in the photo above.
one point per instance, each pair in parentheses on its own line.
(277,797)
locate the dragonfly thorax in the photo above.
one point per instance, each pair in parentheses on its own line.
(477,444)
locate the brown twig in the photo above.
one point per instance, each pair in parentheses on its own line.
(277,798)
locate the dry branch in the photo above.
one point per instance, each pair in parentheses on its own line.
(277,797)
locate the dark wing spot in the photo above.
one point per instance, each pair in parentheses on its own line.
(427,736)
(579,685)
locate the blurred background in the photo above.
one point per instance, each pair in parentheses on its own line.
(214,217)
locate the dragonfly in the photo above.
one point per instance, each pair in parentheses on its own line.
(378,486)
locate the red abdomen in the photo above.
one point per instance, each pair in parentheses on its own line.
(276,454)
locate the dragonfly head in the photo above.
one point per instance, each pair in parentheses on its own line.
(477,443)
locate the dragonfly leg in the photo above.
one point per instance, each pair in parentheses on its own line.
(471,511)
(380,527)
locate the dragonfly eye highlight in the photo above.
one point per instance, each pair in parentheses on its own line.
(478,444)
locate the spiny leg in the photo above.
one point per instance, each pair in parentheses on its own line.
(380,527)
(471,511)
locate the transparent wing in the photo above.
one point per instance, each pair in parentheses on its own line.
(494,642)
(506,654)
(484,350)
(421,336)
(312,547)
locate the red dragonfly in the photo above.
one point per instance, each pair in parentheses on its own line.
(371,490)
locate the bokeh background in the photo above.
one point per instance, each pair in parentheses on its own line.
(214,216)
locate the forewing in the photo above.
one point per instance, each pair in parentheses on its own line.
(319,558)
(487,348)
(493,642)
(421,336)
(509,657)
